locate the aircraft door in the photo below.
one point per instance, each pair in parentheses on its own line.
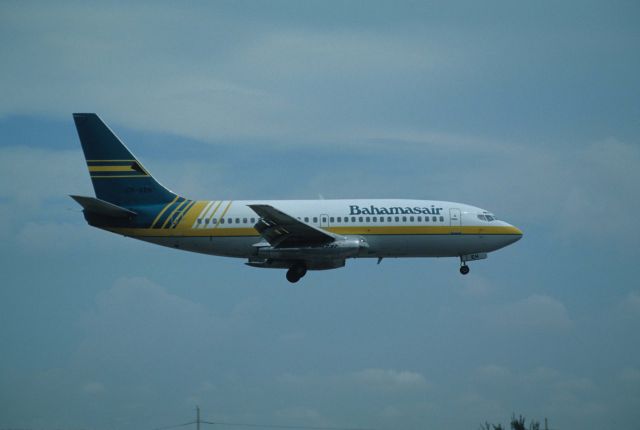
(324,220)
(455,219)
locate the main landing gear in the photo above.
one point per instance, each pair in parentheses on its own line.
(464,269)
(296,272)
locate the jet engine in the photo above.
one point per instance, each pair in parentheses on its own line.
(347,247)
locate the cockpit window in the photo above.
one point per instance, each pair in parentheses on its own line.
(487,217)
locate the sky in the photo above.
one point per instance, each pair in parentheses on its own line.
(528,109)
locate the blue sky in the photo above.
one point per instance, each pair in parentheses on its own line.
(529,110)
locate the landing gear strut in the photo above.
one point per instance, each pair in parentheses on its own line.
(464,269)
(296,272)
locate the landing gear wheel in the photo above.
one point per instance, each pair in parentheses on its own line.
(295,273)
(464,269)
(292,276)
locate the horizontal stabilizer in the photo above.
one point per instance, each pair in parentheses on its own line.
(101,207)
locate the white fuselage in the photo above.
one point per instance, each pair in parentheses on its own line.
(392,228)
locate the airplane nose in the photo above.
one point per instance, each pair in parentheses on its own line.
(515,234)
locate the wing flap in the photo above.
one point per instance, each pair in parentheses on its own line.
(281,229)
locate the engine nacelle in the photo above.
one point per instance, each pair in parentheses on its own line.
(339,249)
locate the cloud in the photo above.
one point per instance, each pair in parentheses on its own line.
(493,372)
(55,238)
(476,287)
(371,378)
(497,391)
(38,175)
(630,305)
(537,313)
(137,320)
(93,388)
(630,376)
(299,414)
(507,321)
(389,378)
(122,74)
(207,72)
(382,395)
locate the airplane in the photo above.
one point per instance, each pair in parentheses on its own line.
(296,235)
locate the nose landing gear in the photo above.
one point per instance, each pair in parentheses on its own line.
(464,269)
(296,272)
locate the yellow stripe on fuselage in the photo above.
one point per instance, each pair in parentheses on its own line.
(213,214)
(428,229)
(363,231)
(224,213)
(163,211)
(181,205)
(189,218)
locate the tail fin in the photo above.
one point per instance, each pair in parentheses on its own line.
(117,176)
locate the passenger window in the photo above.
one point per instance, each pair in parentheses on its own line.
(331,219)
(397,219)
(315,219)
(199,221)
(230,221)
(253,220)
(375,219)
(353,219)
(368,219)
(381,219)
(339,219)
(306,219)
(346,219)
(419,219)
(360,219)
(388,219)
(244,220)
(206,221)
(221,220)
(404,219)
(434,219)
(411,218)
(441,218)
(214,220)
(237,220)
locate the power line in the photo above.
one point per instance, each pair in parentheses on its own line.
(199,421)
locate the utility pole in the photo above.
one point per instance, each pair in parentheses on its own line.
(197,417)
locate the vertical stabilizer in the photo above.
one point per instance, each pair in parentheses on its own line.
(117,176)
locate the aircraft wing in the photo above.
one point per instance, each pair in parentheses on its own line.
(283,230)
